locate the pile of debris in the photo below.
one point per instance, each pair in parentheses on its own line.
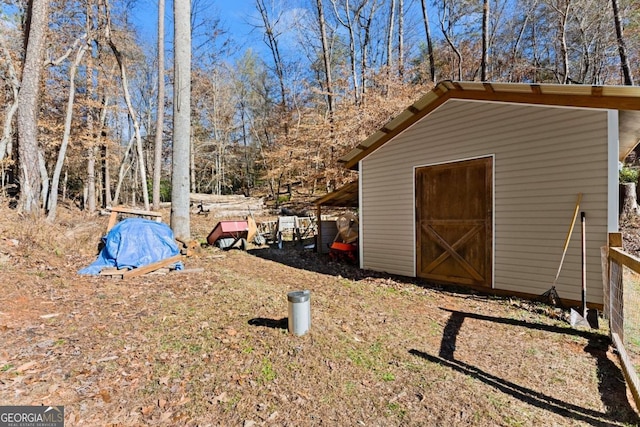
(137,245)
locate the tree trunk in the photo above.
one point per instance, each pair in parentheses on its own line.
(122,171)
(136,126)
(62,153)
(12,108)
(516,44)
(485,41)
(562,9)
(456,51)
(107,199)
(326,60)
(157,159)
(181,120)
(427,29)
(622,49)
(65,185)
(192,167)
(630,201)
(392,14)
(272,39)
(28,106)
(91,179)
(364,64)
(348,24)
(44,176)
(400,37)
(132,114)
(91,82)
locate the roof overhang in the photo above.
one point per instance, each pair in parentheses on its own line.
(345,196)
(624,98)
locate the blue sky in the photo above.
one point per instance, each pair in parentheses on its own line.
(234,15)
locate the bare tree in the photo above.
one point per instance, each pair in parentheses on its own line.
(326,58)
(12,107)
(123,169)
(272,36)
(348,22)
(391,22)
(366,18)
(448,19)
(427,29)
(157,159)
(91,84)
(485,40)
(132,114)
(562,8)
(28,97)
(400,37)
(180,190)
(622,48)
(55,180)
(519,28)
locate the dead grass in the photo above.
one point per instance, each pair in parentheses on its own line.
(213,349)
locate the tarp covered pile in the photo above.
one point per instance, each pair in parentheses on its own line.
(134,243)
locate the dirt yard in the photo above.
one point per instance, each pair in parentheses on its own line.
(212,348)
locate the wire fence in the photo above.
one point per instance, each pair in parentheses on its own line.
(622,308)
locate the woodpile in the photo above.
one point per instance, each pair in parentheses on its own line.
(226,206)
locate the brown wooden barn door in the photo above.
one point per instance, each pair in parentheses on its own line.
(454,211)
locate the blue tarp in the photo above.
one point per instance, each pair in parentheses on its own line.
(135,242)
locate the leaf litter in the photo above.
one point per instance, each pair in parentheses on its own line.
(213,348)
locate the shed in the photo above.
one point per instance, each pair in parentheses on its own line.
(344,197)
(476,184)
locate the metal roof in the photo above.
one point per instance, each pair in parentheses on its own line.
(624,98)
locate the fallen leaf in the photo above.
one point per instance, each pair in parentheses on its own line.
(106,397)
(221,398)
(183,400)
(106,359)
(162,403)
(26,366)
(146,410)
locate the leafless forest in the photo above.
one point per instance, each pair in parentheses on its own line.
(80,96)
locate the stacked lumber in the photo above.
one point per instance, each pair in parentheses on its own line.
(226,206)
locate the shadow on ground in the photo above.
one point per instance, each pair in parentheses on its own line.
(611,385)
(296,256)
(282,323)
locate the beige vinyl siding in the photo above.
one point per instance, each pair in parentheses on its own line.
(543,156)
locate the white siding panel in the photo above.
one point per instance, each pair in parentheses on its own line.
(543,157)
